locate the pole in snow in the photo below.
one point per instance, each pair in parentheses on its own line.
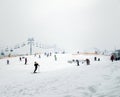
(30,41)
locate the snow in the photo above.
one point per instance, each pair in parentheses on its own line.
(60,78)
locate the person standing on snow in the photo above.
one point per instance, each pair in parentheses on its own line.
(98,59)
(25,60)
(87,61)
(36,66)
(20,58)
(77,62)
(39,56)
(7,61)
(55,57)
(112,58)
(95,58)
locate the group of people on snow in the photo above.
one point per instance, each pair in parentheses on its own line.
(87,60)
(21,58)
(82,61)
(25,59)
(55,57)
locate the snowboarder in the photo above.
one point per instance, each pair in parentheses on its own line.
(88,61)
(112,58)
(77,62)
(25,60)
(36,66)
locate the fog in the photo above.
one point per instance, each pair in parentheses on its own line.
(70,24)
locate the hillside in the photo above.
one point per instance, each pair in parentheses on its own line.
(60,78)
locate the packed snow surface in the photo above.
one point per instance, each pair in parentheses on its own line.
(60,78)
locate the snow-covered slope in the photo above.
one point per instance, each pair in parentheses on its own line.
(60,78)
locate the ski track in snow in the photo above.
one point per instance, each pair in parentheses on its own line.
(59,78)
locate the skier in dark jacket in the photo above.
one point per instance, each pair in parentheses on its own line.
(77,62)
(36,66)
(7,61)
(98,59)
(88,61)
(112,58)
(25,60)
(95,58)
(20,58)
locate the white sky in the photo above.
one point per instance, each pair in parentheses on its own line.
(71,24)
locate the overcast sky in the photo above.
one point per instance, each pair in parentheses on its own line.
(71,24)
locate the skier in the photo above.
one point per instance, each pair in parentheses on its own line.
(39,56)
(112,58)
(88,61)
(55,57)
(7,61)
(77,62)
(25,60)
(36,66)
(95,58)
(20,59)
(47,55)
(98,59)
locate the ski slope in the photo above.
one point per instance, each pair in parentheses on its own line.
(60,78)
